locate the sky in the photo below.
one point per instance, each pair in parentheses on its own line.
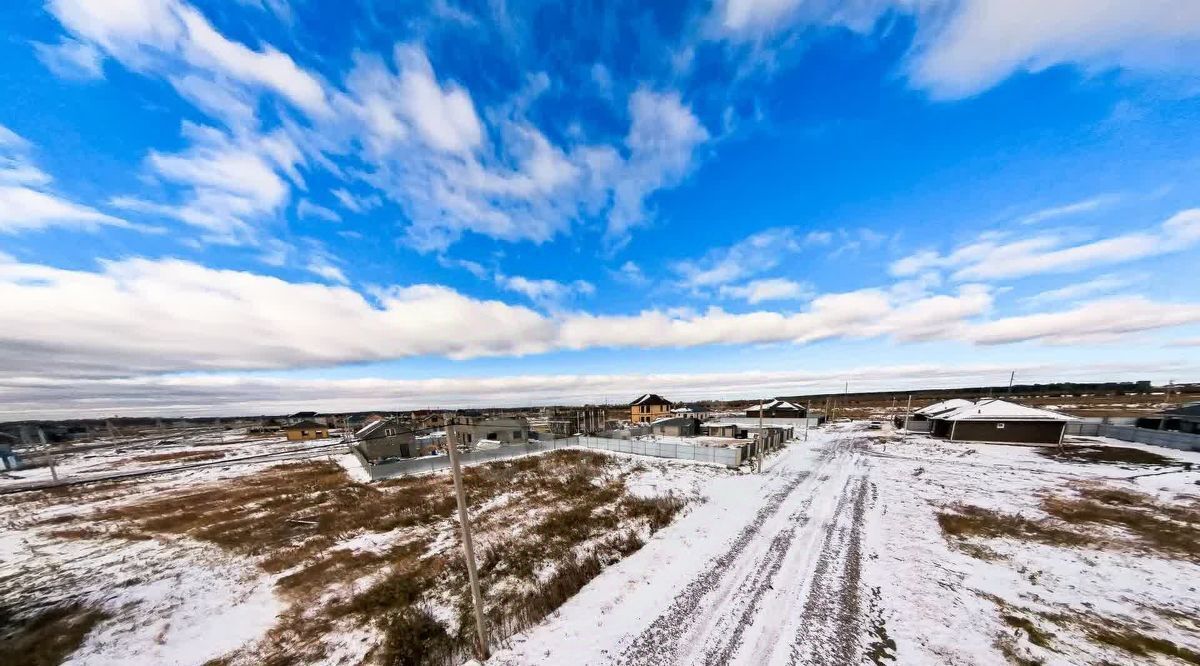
(261,206)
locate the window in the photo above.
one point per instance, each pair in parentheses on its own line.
(492,435)
(516,434)
(1000,426)
(389,432)
(304,433)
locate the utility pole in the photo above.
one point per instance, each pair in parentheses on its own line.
(468,546)
(907,415)
(807,413)
(761,436)
(1010,381)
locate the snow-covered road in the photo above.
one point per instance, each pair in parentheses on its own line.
(766,571)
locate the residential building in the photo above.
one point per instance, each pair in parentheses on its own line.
(306,430)
(470,431)
(1000,421)
(1183,419)
(777,409)
(648,408)
(387,438)
(692,409)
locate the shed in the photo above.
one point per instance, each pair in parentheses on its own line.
(1000,421)
(1183,419)
(679,426)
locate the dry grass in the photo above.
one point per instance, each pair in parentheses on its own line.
(47,638)
(1109,455)
(965,521)
(179,456)
(553,522)
(1096,516)
(1171,530)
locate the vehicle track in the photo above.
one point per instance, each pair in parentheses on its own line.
(713,619)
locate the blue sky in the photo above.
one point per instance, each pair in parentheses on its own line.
(254,206)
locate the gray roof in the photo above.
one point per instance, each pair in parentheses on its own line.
(650,399)
(1186,410)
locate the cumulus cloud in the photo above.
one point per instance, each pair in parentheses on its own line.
(773,289)
(40,396)
(991,257)
(1097,321)
(545,293)
(138,316)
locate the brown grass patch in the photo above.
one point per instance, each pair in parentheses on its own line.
(1109,455)
(1172,530)
(179,456)
(965,521)
(49,637)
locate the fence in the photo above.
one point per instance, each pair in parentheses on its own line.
(1175,440)
(731,457)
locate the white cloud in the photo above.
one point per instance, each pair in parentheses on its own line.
(229,183)
(1097,321)
(755,254)
(27,205)
(429,152)
(986,41)
(38,396)
(138,315)
(1103,284)
(161,35)
(356,204)
(991,258)
(323,266)
(663,137)
(306,209)
(1074,208)
(630,273)
(71,59)
(545,293)
(963,47)
(774,289)
(25,209)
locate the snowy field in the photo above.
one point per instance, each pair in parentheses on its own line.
(856,546)
(837,555)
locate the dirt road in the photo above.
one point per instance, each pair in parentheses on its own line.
(787,589)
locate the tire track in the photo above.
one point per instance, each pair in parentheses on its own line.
(831,621)
(662,641)
(656,645)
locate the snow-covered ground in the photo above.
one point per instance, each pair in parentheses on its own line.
(835,556)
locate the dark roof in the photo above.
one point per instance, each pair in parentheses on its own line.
(1186,410)
(650,399)
(303,415)
(313,425)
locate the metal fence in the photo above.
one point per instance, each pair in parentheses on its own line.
(1175,440)
(731,457)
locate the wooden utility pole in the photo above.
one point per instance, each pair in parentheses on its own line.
(468,546)
(1011,377)
(761,435)
(907,415)
(807,415)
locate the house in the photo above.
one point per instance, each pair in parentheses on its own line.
(678,426)
(387,438)
(999,421)
(648,408)
(777,409)
(306,430)
(693,409)
(470,431)
(1183,419)
(301,417)
(919,420)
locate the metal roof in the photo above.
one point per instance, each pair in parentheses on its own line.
(1001,410)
